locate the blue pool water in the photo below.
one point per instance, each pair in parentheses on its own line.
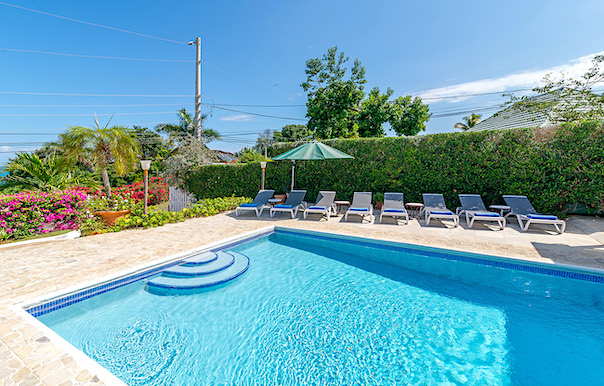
(323,312)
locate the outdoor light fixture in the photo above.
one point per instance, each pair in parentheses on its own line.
(263,166)
(145,165)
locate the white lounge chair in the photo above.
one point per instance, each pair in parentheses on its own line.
(474,209)
(394,206)
(361,205)
(323,205)
(260,201)
(522,208)
(294,201)
(435,208)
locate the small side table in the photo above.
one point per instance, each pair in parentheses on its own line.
(500,208)
(340,205)
(414,208)
(274,201)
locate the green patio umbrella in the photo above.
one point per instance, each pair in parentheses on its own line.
(314,150)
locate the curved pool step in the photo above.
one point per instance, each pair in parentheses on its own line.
(223,260)
(200,259)
(164,285)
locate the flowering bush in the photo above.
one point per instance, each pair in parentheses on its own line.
(158,191)
(28,214)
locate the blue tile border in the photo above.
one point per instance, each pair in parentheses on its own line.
(79,296)
(464,257)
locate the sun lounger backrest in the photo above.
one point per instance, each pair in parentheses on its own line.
(394,201)
(263,196)
(472,202)
(295,197)
(361,200)
(433,200)
(519,204)
(325,198)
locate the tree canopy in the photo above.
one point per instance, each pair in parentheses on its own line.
(337,108)
(469,122)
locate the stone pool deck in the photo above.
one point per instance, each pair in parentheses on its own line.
(29,357)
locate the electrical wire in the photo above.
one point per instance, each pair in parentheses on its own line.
(92,24)
(97,56)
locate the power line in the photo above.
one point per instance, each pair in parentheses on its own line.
(96,56)
(256,114)
(93,106)
(92,24)
(83,115)
(95,95)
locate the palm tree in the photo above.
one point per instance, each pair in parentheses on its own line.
(98,147)
(471,121)
(30,172)
(186,128)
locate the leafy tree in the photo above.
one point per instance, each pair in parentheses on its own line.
(566,99)
(100,146)
(375,111)
(291,133)
(265,140)
(469,122)
(249,155)
(30,172)
(186,127)
(190,154)
(333,102)
(408,116)
(152,145)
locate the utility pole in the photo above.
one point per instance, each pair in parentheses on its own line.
(197,120)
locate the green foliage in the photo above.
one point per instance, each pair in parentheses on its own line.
(408,116)
(249,156)
(336,108)
(469,122)
(30,172)
(375,111)
(186,128)
(564,100)
(553,167)
(291,133)
(203,208)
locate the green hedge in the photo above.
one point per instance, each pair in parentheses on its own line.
(554,167)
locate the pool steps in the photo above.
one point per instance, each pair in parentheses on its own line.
(198,273)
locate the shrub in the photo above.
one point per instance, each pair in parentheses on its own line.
(203,208)
(28,214)
(554,167)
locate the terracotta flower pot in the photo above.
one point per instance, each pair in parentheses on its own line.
(282,197)
(378,205)
(109,216)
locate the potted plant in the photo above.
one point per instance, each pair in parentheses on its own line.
(281,197)
(110,209)
(379,200)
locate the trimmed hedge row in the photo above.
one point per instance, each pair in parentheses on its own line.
(554,167)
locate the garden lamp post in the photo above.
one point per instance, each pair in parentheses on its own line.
(263,166)
(145,165)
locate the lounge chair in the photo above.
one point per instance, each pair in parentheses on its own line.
(323,205)
(394,206)
(294,201)
(435,208)
(260,201)
(474,209)
(361,205)
(522,208)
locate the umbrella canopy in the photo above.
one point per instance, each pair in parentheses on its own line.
(314,150)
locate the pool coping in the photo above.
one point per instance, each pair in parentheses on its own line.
(151,268)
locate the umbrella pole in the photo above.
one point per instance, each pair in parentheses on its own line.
(293,172)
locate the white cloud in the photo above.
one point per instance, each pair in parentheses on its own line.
(237,118)
(6,148)
(527,79)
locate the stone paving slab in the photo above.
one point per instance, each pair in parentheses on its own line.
(29,357)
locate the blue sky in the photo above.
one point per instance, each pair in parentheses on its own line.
(255,53)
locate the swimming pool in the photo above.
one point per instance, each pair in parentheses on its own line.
(322,309)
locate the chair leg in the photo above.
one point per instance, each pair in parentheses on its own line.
(406,219)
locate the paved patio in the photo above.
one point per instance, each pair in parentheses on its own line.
(29,357)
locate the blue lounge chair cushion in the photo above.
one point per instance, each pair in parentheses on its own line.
(542,216)
(395,210)
(248,205)
(283,206)
(486,214)
(443,212)
(318,207)
(359,209)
